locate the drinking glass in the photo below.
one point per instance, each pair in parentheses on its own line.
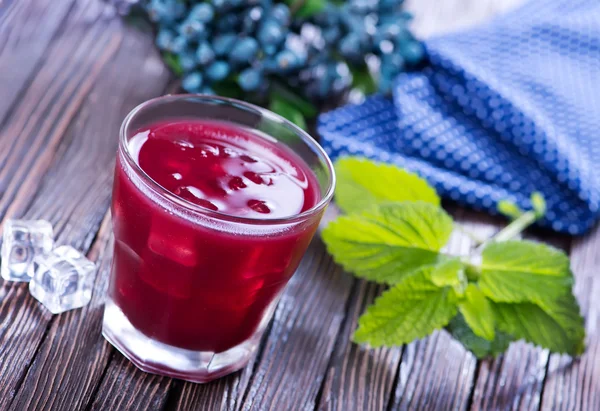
(192,289)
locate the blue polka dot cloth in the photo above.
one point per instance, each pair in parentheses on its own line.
(499,111)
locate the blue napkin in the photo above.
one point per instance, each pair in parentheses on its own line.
(500,111)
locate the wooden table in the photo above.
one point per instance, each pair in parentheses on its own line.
(69,73)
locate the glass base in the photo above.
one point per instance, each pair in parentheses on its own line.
(158,358)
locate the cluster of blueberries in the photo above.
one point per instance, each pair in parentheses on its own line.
(312,46)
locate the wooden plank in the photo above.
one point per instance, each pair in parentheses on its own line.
(515,380)
(125,387)
(31,136)
(437,372)
(74,196)
(62,375)
(22,325)
(27,27)
(575,383)
(347,385)
(305,327)
(359,378)
(223,394)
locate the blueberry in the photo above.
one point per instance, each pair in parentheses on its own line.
(164,39)
(412,51)
(244,50)
(187,60)
(281,14)
(222,44)
(204,54)
(202,12)
(192,29)
(286,60)
(349,47)
(177,45)
(270,33)
(217,71)
(250,79)
(192,82)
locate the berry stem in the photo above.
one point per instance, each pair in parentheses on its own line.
(516,227)
(512,230)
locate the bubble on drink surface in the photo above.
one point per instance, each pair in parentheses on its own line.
(63,279)
(22,241)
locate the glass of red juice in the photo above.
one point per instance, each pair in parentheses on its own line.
(214,204)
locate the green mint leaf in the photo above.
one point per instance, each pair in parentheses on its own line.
(292,99)
(520,271)
(557,326)
(363,183)
(288,111)
(478,312)
(412,309)
(450,273)
(172,61)
(362,79)
(389,242)
(306,8)
(479,346)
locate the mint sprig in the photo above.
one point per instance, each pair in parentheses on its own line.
(395,232)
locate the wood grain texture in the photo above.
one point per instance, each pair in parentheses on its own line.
(223,394)
(125,387)
(27,28)
(437,372)
(305,327)
(82,116)
(69,75)
(22,322)
(30,138)
(74,342)
(359,378)
(515,380)
(575,384)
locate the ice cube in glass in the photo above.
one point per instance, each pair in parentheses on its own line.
(22,240)
(62,280)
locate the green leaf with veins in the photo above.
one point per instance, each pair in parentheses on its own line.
(361,184)
(390,241)
(519,271)
(478,312)
(411,309)
(558,327)
(479,346)
(450,273)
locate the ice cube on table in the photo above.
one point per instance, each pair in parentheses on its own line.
(63,279)
(22,240)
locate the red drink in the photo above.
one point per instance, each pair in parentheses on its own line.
(211,219)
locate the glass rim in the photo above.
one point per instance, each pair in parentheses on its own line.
(188,205)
